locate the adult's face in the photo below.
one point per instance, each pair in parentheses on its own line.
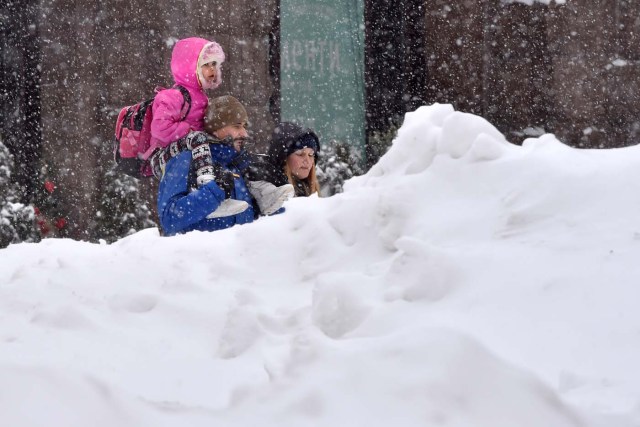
(236,131)
(300,162)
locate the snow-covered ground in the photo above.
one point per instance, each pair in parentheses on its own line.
(463,282)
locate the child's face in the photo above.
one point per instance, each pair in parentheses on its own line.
(209,71)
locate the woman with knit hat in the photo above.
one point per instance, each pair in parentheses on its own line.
(292,158)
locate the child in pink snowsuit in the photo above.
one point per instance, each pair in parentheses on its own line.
(191,59)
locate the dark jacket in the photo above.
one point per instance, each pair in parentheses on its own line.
(182,207)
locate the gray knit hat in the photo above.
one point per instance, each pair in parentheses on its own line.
(223,111)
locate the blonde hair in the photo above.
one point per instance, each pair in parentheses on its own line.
(309,185)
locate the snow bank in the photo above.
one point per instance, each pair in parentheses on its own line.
(462,282)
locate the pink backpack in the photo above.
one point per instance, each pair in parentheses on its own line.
(132,149)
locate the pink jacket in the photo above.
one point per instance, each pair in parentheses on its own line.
(166,126)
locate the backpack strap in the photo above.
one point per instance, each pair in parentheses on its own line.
(185,101)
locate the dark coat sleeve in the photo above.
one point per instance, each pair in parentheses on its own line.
(262,169)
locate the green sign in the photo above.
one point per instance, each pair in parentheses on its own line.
(322,68)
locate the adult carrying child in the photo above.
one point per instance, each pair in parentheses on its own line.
(144,130)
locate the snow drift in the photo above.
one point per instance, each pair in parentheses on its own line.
(463,281)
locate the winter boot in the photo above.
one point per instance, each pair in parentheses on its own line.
(269,197)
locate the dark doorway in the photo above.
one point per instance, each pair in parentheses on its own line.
(395,67)
(20,59)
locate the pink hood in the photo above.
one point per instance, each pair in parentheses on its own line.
(184,61)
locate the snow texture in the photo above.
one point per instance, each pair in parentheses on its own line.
(462,282)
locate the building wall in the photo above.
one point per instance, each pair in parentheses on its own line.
(569,69)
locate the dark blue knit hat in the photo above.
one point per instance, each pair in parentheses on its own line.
(288,137)
(306,140)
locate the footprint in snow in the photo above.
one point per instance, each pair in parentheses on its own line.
(133,303)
